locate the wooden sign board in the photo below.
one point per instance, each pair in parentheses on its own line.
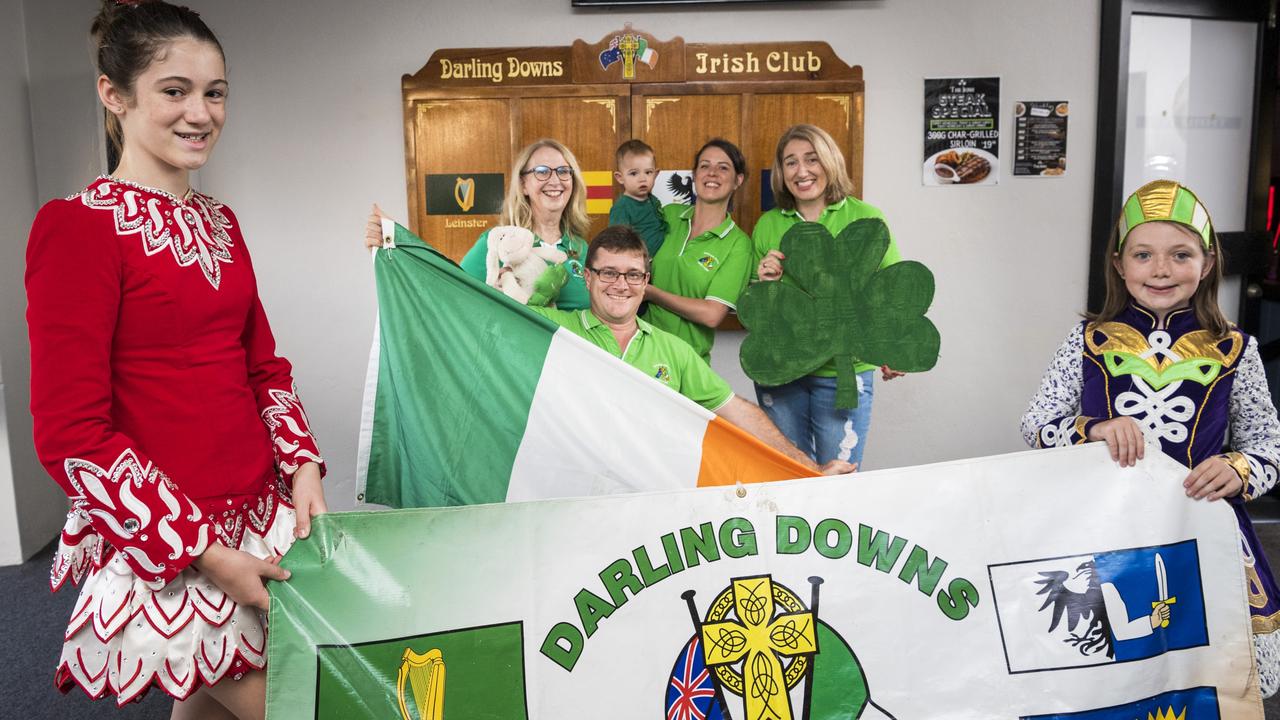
(468,112)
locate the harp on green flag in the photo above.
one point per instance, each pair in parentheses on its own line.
(425,676)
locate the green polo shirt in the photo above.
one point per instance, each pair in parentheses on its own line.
(643,215)
(773,224)
(660,355)
(573,296)
(714,265)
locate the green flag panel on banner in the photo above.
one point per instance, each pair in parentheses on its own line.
(483,669)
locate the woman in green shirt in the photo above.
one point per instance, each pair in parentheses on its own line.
(705,259)
(810,184)
(546,196)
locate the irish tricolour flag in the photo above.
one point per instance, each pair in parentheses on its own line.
(471,398)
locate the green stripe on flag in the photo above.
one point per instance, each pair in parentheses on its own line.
(458,364)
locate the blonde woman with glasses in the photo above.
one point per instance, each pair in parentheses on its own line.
(546,196)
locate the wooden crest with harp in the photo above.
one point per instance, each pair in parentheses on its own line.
(425,676)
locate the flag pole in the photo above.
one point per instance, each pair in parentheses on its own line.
(697,633)
(816,583)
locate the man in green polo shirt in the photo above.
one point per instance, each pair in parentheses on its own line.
(616,277)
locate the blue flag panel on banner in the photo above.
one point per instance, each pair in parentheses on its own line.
(1195,704)
(1112,606)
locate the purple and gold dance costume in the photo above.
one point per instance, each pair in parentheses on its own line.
(1194,396)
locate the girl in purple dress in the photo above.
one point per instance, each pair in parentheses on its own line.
(1161,364)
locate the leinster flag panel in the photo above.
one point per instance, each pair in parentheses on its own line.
(1101,608)
(1195,704)
(465,194)
(478,671)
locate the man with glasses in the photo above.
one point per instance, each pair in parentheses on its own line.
(617,274)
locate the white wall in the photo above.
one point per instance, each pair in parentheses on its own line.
(66,133)
(31,507)
(315,135)
(48,127)
(16,203)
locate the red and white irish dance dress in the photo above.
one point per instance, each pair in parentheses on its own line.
(163,411)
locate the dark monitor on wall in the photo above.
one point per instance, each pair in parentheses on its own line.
(634,3)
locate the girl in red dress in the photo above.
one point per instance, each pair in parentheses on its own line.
(160,405)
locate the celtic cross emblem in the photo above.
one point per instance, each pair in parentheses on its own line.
(629,45)
(771,625)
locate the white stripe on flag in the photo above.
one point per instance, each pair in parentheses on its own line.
(365,439)
(652,439)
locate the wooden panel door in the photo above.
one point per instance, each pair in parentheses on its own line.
(465,138)
(840,114)
(677,125)
(591,127)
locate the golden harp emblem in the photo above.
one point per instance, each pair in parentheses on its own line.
(425,676)
(464,191)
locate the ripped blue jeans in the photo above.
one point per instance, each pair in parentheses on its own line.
(805,411)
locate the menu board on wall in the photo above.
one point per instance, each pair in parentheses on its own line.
(961,131)
(1040,138)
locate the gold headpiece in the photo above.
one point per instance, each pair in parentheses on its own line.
(1167,201)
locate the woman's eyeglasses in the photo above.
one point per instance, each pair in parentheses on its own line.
(610,276)
(543,173)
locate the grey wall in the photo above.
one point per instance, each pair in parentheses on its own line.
(17,203)
(31,506)
(314,135)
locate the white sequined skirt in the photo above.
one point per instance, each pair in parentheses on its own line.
(125,638)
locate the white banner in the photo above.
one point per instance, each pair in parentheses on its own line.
(1043,584)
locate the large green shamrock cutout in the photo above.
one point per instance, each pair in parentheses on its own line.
(834,302)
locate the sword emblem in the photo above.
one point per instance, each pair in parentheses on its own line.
(1162,589)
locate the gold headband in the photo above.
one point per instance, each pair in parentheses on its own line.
(1167,201)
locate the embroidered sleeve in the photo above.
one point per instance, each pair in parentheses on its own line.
(1255,431)
(271,378)
(1051,419)
(73,283)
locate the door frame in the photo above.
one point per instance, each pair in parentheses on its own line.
(1248,252)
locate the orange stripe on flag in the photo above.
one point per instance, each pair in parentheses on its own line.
(731,454)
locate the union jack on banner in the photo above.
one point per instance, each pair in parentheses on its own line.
(691,694)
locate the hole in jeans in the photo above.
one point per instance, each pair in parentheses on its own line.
(850,440)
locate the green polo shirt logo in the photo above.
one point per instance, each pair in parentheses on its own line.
(663,373)
(709,262)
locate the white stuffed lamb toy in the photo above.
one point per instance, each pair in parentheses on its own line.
(514,264)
